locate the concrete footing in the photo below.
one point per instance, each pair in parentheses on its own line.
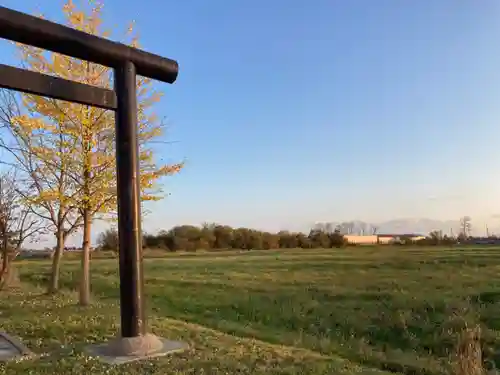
(130,349)
(11,348)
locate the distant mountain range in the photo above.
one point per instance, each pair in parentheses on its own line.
(420,226)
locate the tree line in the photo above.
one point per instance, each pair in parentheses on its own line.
(223,237)
(214,236)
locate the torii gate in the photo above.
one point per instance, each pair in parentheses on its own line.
(126,61)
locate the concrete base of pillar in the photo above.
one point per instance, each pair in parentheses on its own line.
(12,349)
(130,349)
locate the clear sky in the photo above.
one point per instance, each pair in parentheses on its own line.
(290,112)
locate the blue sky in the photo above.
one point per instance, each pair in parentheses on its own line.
(292,112)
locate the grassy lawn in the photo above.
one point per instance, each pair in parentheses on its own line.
(360,310)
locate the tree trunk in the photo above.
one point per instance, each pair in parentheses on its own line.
(4,271)
(5,260)
(56,262)
(85,276)
(10,278)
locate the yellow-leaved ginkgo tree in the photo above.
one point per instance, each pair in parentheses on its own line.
(75,144)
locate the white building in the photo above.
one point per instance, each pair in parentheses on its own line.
(382,239)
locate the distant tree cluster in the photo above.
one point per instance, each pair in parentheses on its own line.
(436,238)
(214,236)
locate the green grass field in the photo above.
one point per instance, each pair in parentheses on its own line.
(359,310)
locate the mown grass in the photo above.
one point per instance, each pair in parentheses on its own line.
(368,310)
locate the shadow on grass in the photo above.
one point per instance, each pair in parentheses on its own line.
(389,331)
